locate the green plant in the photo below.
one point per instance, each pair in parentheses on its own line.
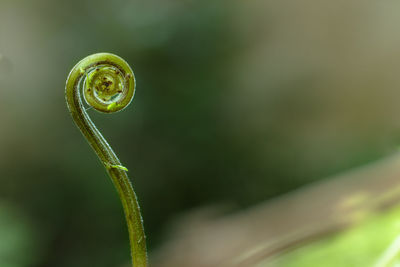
(108,85)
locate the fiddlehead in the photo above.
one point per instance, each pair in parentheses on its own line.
(108,85)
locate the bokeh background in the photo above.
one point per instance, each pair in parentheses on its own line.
(237,102)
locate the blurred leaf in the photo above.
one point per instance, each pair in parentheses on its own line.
(17,242)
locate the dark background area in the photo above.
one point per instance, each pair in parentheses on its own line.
(237,102)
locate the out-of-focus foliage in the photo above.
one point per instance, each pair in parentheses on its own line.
(18,241)
(363,245)
(237,102)
(348,220)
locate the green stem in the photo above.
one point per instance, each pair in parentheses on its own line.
(115,86)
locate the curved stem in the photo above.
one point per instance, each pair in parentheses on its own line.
(103,150)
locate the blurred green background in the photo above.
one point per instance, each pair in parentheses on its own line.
(237,102)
